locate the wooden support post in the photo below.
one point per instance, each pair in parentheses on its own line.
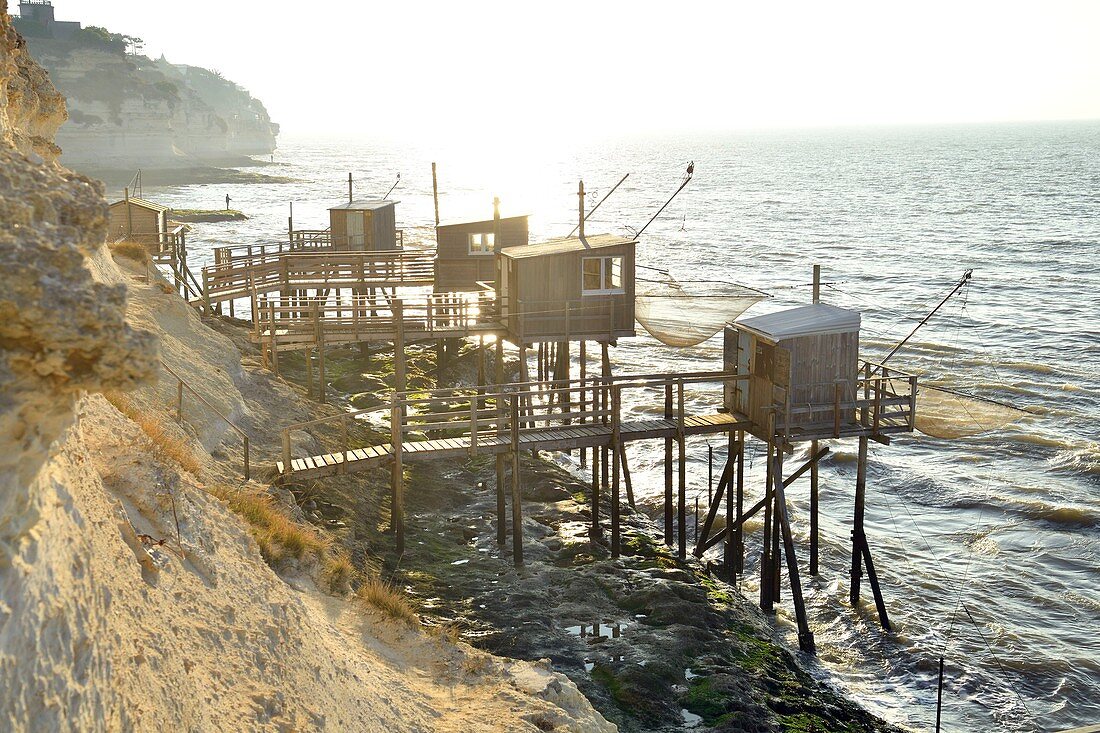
(480,364)
(309,371)
(398,346)
(517,516)
(668,468)
(582,358)
(739,545)
(626,475)
(681,502)
(805,636)
(616,445)
(728,548)
(498,375)
(397,477)
(857,521)
(872,578)
(714,506)
(766,584)
(814,526)
(321,384)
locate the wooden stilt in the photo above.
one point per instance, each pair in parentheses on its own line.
(481,364)
(813,510)
(715,506)
(582,359)
(616,445)
(309,371)
(397,478)
(517,516)
(805,636)
(668,469)
(766,584)
(739,545)
(681,499)
(498,375)
(777,560)
(400,384)
(729,567)
(857,522)
(872,578)
(626,475)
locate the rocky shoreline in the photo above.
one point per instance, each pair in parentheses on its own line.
(655,643)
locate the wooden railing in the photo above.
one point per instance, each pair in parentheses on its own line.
(181,385)
(597,315)
(292,323)
(300,270)
(880,397)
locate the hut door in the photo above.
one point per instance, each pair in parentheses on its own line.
(356,240)
(744,354)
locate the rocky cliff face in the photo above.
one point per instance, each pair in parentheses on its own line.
(61,332)
(128,111)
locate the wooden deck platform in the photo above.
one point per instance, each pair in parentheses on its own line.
(559,437)
(297,270)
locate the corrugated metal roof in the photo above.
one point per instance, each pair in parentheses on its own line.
(807,320)
(473,222)
(141,204)
(572,244)
(365,205)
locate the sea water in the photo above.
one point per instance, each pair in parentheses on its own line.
(987,548)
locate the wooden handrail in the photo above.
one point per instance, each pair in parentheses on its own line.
(180,386)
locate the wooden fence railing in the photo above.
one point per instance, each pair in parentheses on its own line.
(181,385)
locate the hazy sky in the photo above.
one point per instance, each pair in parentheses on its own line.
(499,69)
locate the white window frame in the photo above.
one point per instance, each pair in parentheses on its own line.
(484,239)
(606,269)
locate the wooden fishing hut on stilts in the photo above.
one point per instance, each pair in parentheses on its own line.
(801,381)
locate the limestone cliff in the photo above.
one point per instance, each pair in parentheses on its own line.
(129,111)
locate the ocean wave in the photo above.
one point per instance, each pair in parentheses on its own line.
(1065,516)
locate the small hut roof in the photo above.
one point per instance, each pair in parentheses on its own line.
(807,320)
(472,222)
(570,244)
(365,205)
(141,204)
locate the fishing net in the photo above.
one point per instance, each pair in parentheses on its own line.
(943,413)
(677,318)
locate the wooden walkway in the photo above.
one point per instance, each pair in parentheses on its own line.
(560,437)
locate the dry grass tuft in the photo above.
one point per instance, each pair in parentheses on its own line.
(275,531)
(131,251)
(449,632)
(169,443)
(337,571)
(381,596)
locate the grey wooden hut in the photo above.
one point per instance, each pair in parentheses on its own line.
(364,226)
(573,289)
(466,252)
(804,367)
(138,220)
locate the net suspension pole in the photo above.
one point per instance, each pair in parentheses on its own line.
(687,180)
(608,195)
(958,286)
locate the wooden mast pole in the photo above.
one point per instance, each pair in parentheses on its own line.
(435,194)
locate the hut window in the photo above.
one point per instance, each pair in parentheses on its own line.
(481,243)
(602,275)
